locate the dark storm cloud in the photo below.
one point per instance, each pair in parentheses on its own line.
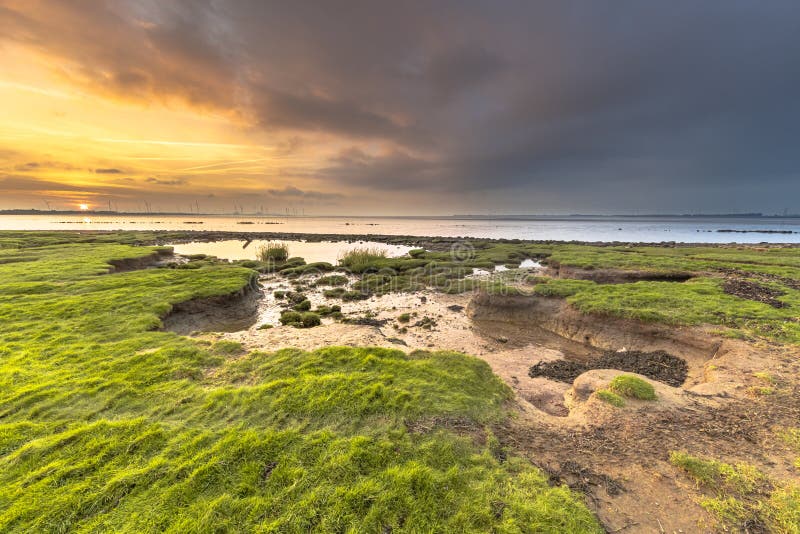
(579,98)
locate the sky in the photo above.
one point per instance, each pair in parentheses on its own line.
(387,108)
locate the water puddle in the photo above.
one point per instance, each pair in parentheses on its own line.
(329,251)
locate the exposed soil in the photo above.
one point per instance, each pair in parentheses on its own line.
(753,291)
(657,365)
(226,313)
(135,264)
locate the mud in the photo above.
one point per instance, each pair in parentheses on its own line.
(599,333)
(753,291)
(226,313)
(657,365)
(144,262)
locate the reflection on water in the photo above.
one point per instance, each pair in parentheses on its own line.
(329,251)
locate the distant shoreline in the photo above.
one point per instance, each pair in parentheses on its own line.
(466,217)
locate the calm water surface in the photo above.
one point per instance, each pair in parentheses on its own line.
(311,252)
(656,229)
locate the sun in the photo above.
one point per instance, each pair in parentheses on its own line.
(84,207)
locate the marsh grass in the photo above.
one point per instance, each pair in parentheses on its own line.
(108,424)
(273,251)
(361,259)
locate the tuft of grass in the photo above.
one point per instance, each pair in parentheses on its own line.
(610,397)
(632,387)
(361,259)
(404,317)
(765,376)
(300,320)
(303,305)
(791,436)
(740,478)
(273,251)
(332,280)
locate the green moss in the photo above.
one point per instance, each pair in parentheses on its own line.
(610,397)
(632,387)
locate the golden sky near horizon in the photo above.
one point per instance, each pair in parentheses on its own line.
(64,144)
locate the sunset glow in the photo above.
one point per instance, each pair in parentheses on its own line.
(455,108)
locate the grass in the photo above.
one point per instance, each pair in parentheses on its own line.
(610,397)
(332,280)
(273,251)
(741,495)
(298,319)
(791,436)
(108,424)
(632,387)
(360,259)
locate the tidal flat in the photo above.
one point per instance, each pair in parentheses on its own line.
(463,385)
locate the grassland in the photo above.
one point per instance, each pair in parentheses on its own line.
(109,424)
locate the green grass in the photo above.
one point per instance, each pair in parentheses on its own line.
(740,494)
(360,259)
(632,387)
(273,251)
(791,436)
(332,280)
(108,424)
(610,397)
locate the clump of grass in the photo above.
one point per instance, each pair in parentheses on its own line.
(273,252)
(404,317)
(632,387)
(765,376)
(354,295)
(361,259)
(761,391)
(303,305)
(300,320)
(335,293)
(279,294)
(610,397)
(740,478)
(332,280)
